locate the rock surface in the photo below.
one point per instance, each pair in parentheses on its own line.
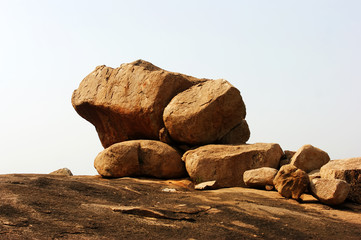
(329,191)
(140,158)
(309,158)
(90,207)
(226,163)
(62,171)
(348,170)
(127,103)
(259,177)
(206,112)
(290,181)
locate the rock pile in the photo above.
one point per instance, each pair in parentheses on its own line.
(162,124)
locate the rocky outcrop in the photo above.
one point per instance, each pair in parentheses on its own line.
(47,206)
(205,113)
(140,158)
(127,103)
(260,177)
(329,191)
(226,163)
(348,170)
(291,182)
(309,158)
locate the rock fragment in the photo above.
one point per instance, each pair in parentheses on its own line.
(309,158)
(62,171)
(259,177)
(290,181)
(330,191)
(348,170)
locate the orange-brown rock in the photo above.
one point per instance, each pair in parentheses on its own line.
(205,113)
(238,135)
(140,158)
(330,191)
(348,170)
(127,103)
(309,158)
(42,206)
(290,181)
(226,163)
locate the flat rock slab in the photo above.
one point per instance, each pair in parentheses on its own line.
(90,207)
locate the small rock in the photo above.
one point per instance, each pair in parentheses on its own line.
(309,158)
(330,191)
(269,187)
(259,177)
(169,190)
(206,185)
(348,170)
(62,171)
(291,181)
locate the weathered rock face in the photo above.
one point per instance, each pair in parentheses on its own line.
(348,170)
(259,177)
(205,113)
(330,191)
(140,158)
(226,163)
(309,158)
(127,103)
(290,181)
(238,135)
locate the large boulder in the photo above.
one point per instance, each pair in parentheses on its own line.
(259,177)
(140,158)
(205,113)
(127,103)
(309,158)
(291,182)
(226,163)
(348,170)
(329,191)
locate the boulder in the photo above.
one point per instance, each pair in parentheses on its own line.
(140,158)
(259,177)
(309,158)
(205,113)
(329,191)
(127,103)
(290,181)
(226,163)
(62,171)
(348,170)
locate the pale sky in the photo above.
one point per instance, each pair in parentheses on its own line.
(296,63)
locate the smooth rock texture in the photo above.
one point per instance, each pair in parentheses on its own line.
(127,103)
(348,170)
(309,158)
(259,177)
(205,113)
(140,158)
(330,191)
(226,163)
(314,174)
(290,181)
(62,171)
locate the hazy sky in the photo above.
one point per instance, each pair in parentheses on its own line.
(296,63)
